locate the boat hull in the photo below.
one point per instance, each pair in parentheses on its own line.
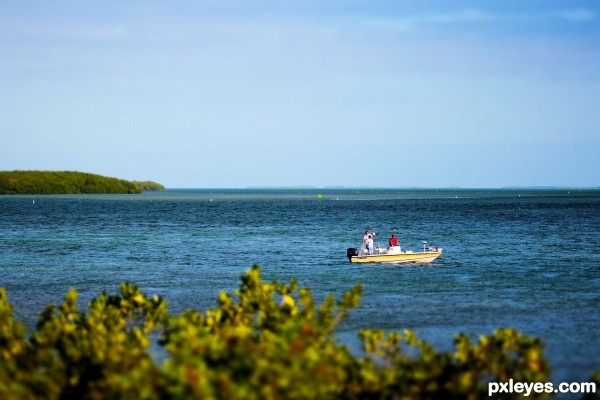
(397,258)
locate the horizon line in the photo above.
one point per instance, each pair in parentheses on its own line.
(307,187)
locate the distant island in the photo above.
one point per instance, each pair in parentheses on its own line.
(69,182)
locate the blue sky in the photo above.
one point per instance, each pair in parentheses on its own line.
(320,93)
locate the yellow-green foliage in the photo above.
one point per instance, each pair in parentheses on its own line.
(148,185)
(267,341)
(62,182)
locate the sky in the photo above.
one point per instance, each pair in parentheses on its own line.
(323,93)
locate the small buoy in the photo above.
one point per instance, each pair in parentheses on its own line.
(33,202)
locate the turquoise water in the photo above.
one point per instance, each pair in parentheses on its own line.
(523,258)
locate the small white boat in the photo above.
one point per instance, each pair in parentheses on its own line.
(393,255)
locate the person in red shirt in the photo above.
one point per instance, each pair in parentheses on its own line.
(394,241)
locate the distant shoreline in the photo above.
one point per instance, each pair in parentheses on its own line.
(68,182)
(393,188)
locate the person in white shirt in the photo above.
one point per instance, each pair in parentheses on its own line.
(369,244)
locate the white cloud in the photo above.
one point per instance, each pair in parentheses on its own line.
(462,16)
(576,15)
(474,16)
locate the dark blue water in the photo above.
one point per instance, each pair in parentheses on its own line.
(523,258)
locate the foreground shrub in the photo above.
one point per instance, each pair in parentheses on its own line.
(268,341)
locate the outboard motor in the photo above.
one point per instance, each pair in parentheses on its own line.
(351,252)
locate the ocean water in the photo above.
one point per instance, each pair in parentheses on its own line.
(523,258)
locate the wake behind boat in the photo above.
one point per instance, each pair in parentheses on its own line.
(373,253)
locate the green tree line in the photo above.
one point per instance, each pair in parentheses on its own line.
(68,182)
(148,185)
(268,340)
